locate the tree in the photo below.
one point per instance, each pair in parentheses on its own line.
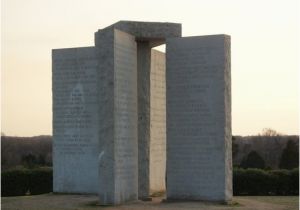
(41,160)
(235,147)
(253,160)
(269,132)
(29,160)
(290,156)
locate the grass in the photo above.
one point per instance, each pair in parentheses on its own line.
(291,201)
(90,202)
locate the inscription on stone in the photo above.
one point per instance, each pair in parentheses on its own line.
(75,137)
(198,119)
(118,161)
(126,159)
(129,121)
(157,122)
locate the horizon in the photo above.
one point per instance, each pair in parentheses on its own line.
(232,135)
(264,63)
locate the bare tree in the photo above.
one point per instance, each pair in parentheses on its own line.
(269,132)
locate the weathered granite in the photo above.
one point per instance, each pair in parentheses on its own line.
(199,165)
(157,156)
(156,32)
(147,35)
(118,156)
(109,115)
(75,120)
(67,176)
(144,69)
(151,120)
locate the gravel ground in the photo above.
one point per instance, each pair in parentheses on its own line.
(89,202)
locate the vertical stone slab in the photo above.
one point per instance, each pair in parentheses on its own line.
(118,156)
(126,129)
(199,165)
(157,154)
(104,42)
(147,35)
(75,120)
(151,120)
(144,67)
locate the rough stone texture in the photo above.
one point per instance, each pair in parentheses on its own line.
(151,120)
(94,145)
(156,32)
(157,162)
(118,156)
(147,35)
(75,120)
(109,102)
(144,62)
(199,165)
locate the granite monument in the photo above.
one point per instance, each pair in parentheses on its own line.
(129,121)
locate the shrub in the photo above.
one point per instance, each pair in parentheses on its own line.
(17,182)
(245,182)
(281,182)
(238,183)
(253,160)
(40,181)
(251,182)
(294,184)
(14,182)
(263,182)
(290,156)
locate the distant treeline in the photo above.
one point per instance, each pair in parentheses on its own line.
(268,152)
(26,151)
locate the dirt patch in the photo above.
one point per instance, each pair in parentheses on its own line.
(89,202)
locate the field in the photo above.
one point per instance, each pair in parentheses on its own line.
(89,202)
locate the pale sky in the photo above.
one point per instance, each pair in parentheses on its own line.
(264,39)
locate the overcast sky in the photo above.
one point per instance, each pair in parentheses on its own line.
(264,38)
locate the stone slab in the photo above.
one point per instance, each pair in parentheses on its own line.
(118,156)
(144,69)
(151,120)
(156,32)
(75,120)
(147,35)
(199,165)
(157,162)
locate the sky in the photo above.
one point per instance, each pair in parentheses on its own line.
(264,52)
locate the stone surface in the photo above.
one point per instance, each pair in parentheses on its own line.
(75,120)
(157,162)
(151,120)
(144,69)
(99,124)
(156,32)
(118,156)
(147,35)
(199,165)
(109,115)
